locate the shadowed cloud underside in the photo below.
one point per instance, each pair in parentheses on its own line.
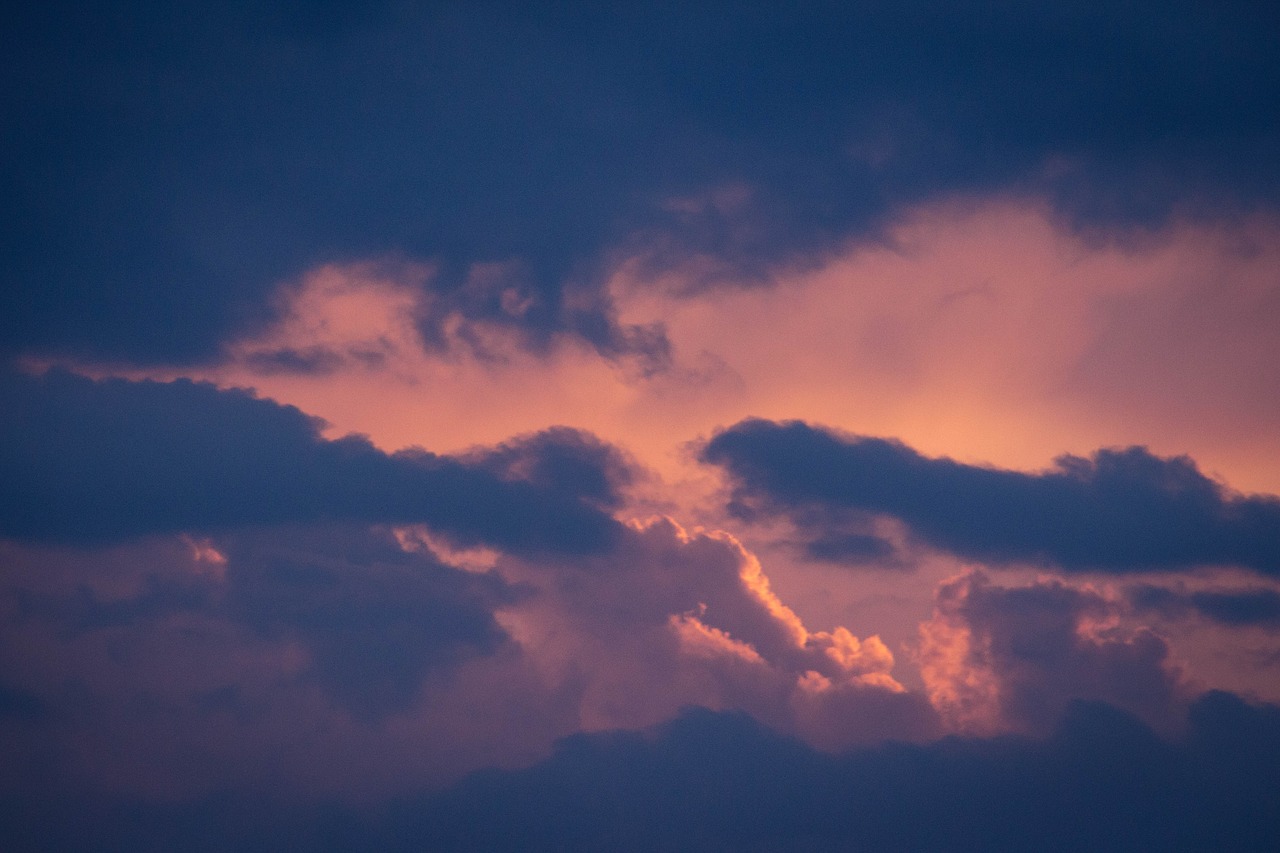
(1119,511)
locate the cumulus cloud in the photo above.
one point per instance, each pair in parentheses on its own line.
(177,680)
(674,618)
(355,662)
(1117,511)
(998,658)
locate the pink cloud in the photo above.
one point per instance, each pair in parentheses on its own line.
(997,658)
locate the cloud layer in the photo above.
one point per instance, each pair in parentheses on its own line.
(169,164)
(709,781)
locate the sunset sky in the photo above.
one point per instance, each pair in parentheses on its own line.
(634,426)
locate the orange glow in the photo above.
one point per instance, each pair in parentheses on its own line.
(700,640)
(966,695)
(979,332)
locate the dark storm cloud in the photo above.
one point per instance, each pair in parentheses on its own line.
(1236,608)
(1117,511)
(710,781)
(166,163)
(84,461)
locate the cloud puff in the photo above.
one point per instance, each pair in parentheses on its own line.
(1118,511)
(673,618)
(374,619)
(88,461)
(997,658)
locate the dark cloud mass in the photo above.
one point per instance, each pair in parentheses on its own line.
(707,782)
(1239,608)
(91,461)
(710,781)
(1117,511)
(166,163)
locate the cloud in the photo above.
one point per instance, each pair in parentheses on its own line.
(853,548)
(364,618)
(374,619)
(167,169)
(359,662)
(999,658)
(715,781)
(91,461)
(313,661)
(233,685)
(1236,608)
(997,233)
(1102,781)
(673,618)
(980,330)
(1118,511)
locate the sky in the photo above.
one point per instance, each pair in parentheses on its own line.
(634,426)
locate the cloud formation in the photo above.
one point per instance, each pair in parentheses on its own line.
(1119,511)
(169,165)
(357,662)
(1102,781)
(1238,608)
(706,781)
(92,461)
(1014,658)
(674,618)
